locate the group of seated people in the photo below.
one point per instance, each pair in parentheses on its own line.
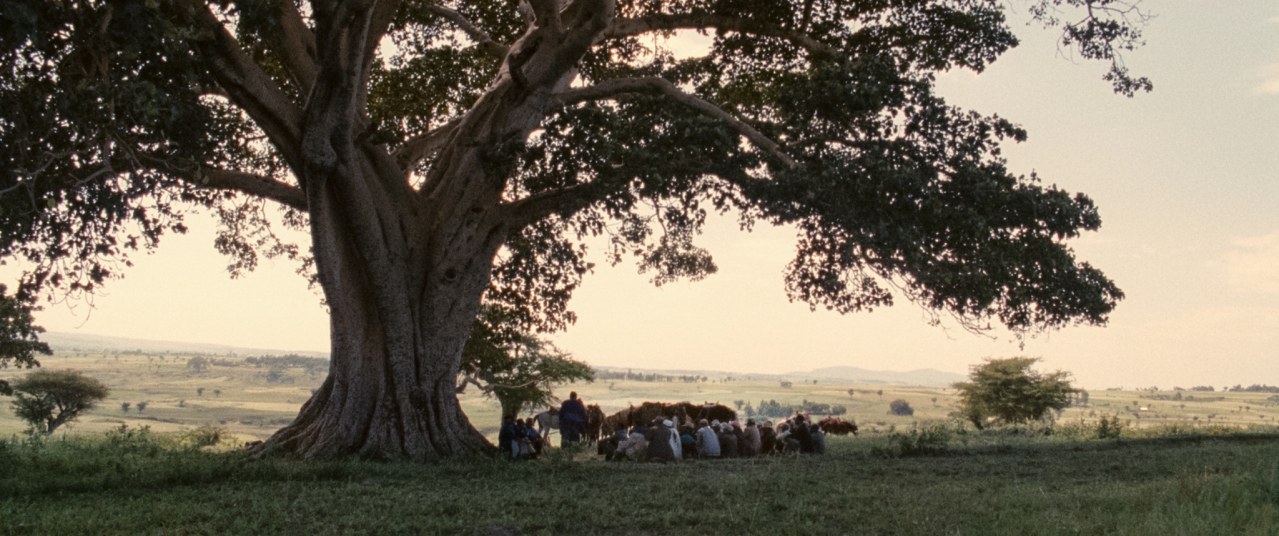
(665,440)
(518,440)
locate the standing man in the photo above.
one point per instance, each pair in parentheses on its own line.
(572,420)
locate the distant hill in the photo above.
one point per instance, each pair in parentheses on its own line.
(923,377)
(855,375)
(62,341)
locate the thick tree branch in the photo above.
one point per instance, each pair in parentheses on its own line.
(248,86)
(255,185)
(379,22)
(611,89)
(620,28)
(546,14)
(477,34)
(418,147)
(563,201)
(224,179)
(297,45)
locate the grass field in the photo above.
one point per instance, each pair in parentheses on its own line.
(250,403)
(134,482)
(1202,465)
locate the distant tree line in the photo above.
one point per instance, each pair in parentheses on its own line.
(648,377)
(773,408)
(312,365)
(1255,388)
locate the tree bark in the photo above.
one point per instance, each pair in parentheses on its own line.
(404,271)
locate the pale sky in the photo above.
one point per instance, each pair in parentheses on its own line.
(1185,178)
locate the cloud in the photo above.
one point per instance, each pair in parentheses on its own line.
(1269,76)
(1252,264)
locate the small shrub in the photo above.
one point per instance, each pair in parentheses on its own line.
(204,436)
(921,441)
(900,407)
(1109,427)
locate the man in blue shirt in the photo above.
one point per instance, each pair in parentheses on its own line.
(572,419)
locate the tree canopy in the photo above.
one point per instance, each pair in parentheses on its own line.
(441,154)
(19,336)
(517,368)
(48,399)
(1011,391)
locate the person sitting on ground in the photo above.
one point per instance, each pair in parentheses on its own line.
(707,441)
(659,449)
(799,431)
(677,444)
(753,443)
(727,441)
(688,441)
(767,438)
(635,447)
(741,438)
(786,442)
(521,447)
(534,438)
(609,446)
(819,439)
(506,436)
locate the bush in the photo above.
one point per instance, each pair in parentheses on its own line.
(1109,427)
(900,407)
(204,436)
(921,441)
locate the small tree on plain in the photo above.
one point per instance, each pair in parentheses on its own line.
(48,399)
(1011,391)
(124,406)
(516,367)
(199,364)
(142,406)
(900,407)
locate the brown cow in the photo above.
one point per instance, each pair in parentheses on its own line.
(837,426)
(594,421)
(686,412)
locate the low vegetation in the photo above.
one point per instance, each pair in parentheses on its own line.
(944,480)
(1116,461)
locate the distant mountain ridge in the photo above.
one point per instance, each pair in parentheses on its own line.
(62,341)
(856,375)
(925,377)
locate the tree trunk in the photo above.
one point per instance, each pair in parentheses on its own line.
(404,270)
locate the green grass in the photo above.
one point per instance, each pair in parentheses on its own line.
(137,482)
(1204,466)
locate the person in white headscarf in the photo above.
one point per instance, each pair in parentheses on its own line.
(707,441)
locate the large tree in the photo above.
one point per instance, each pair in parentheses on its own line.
(1010,390)
(443,153)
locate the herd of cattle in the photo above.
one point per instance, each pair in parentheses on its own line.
(681,413)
